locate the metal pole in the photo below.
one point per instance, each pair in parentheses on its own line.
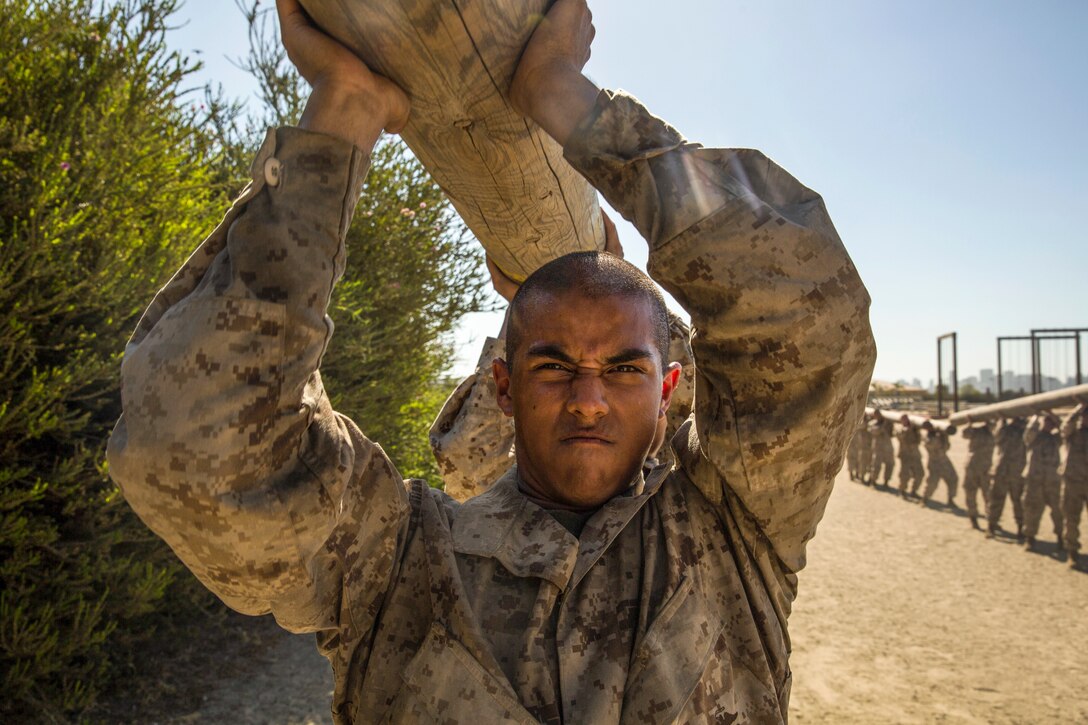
(955,377)
(1079,381)
(1034,364)
(1000,376)
(940,383)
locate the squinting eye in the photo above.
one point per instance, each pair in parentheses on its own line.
(626,369)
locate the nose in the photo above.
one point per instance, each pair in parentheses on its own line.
(587,397)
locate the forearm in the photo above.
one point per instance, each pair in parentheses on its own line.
(1069,425)
(227,446)
(471,439)
(559,102)
(1032,431)
(782,344)
(247,311)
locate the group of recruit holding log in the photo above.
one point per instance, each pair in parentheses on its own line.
(1035,463)
(586,583)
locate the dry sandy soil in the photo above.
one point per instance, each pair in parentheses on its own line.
(905,615)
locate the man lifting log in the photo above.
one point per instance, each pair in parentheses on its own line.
(577,588)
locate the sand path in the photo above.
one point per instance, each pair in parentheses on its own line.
(907,615)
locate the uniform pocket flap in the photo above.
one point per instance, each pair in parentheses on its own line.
(445,683)
(671,659)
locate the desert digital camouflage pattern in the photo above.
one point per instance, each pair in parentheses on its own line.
(976,476)
(853,454)
(671,605)
(911,471)
(1007,473)
(865,449)
(473,441)
(883,457)
(1042,484)
(938,466)
(1074,475)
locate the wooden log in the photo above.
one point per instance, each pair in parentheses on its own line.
(896,416)
(455,59)
(1028,405)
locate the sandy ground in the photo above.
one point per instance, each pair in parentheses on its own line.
(291,684)
(905,615)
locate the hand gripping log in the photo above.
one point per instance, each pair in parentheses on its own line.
(455,58)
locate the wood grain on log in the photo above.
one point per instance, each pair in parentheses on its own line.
(896,416)
(455,58)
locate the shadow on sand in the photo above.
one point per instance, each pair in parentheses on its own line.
(1047,549)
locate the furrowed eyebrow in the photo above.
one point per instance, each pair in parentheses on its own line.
(553,352)
(633,354)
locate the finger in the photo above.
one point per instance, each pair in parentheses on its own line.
(505,286)
(293,20)
(611,236)
(284,8)
(493,270)
(290,13)
(400,105)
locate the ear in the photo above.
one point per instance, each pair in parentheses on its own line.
(668,386)
(501,372)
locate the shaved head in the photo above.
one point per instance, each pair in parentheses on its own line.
(593,275)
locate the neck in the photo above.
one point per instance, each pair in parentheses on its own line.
(549,504)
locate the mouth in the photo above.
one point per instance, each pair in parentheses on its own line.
(585,438)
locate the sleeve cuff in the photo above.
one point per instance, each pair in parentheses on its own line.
(295,161)
(619,128)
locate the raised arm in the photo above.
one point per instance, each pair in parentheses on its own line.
(781,338)
(1072,421)
(472,441)
(227,446)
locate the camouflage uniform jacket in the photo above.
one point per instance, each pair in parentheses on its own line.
(937,444)
(1010,455)
(1043,447)
(1075,437)
(881,430)
(980,447)
(864,435)
(910,437)
(673,602)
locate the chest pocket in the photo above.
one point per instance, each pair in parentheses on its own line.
(671,659)
(444,683)
(687,669)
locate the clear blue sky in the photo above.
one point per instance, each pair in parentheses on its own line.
(947,138)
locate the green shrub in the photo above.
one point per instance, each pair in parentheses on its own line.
(104,182)
(110,173)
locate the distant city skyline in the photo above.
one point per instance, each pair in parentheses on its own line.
(986,382)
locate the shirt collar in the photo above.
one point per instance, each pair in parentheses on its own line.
(503,524)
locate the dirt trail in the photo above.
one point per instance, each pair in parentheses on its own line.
(905,615)
(291,684)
